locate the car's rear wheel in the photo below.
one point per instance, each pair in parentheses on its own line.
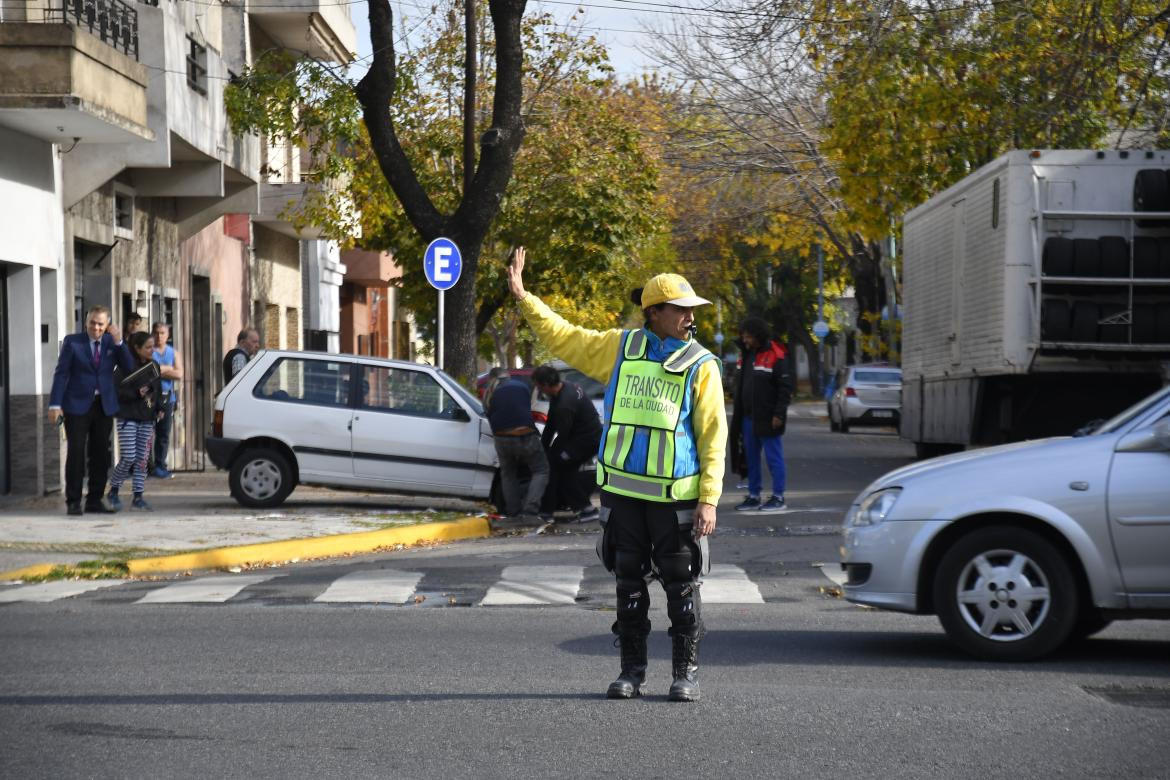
(1006,594)
(843,426)
(261,477)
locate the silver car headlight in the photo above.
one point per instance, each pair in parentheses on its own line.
(873,508)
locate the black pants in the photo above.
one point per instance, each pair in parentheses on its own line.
(647,534)
(565,486)
(88,439)
(162,434)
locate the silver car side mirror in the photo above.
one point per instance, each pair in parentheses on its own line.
(1153,439)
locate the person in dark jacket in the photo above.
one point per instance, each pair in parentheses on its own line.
(138,411)
(763,391)
(571,437)
(509,411)
(84,396)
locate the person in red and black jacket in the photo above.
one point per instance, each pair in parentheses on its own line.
(763,390)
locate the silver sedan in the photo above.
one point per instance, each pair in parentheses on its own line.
(866,395)
(1021,547)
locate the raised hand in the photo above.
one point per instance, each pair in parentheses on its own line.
(516,273)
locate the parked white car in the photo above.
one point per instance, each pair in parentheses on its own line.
(1021,547)
(313,418)
(866,395)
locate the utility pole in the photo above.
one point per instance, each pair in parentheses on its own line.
(469,99)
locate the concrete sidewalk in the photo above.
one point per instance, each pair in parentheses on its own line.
(196,524)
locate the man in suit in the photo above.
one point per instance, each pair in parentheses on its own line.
(85,395)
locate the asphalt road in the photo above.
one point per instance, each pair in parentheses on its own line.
(273,683)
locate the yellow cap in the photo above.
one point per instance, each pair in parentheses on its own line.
(670,288)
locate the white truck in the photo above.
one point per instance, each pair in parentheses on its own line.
(1037,297)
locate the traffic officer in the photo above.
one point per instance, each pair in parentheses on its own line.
(660,463)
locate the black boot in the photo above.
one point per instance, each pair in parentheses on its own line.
(633,645)
(685,664)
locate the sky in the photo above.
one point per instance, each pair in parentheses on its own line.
(618,24)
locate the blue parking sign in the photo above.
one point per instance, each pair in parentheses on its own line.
(442,263)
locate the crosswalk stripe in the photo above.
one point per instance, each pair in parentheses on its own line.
(51,591)
(205,589)
(535,585)
(381,586)
(729,584)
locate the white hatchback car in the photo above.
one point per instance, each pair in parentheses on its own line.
(313,418)
(1021,547)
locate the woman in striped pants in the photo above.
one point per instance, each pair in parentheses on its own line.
(136,417)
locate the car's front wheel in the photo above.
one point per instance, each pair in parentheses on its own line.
(1006,594)
(261,477)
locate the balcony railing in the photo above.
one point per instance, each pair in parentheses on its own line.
(113,21)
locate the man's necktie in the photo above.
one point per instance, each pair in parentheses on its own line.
(97,355)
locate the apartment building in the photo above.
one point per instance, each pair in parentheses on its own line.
(123,185)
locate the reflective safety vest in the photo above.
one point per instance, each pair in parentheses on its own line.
(648,448)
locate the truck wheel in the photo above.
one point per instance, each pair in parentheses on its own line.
(1145,257)
(1006,594)
(1113,333)
(1163,330)
(1151,192)
(1114,256)
(1084,321)
(260,477)
(1054,319)
(1145,323)
(1057,259)
(1086,257)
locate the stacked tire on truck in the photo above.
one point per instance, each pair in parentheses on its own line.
(1075,314)
(1037,297)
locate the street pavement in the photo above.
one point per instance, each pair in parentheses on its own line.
(489,658)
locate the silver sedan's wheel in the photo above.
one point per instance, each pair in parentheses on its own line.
(261,477)
(1006,594)
(1003,595)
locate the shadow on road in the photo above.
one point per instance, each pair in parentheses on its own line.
(883,649)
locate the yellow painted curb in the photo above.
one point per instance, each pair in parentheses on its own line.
(38,570)
(279,552)
(318,547)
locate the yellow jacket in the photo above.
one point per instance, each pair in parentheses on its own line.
(594,353)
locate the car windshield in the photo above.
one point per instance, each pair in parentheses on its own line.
(471,400)
(1138,409)
(871,376)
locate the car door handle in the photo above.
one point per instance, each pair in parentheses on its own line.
(350,426)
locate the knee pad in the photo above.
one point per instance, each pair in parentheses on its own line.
(676,566)
(629,566)
(633,602)
(682,606)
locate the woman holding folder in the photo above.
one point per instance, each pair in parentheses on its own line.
(138,410)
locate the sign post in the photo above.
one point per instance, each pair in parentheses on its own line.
(442,264)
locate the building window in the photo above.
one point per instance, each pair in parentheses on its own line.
(196,66)
(123,213)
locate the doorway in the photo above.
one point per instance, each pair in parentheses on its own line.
(202,389)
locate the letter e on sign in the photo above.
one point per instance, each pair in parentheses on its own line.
(442,263)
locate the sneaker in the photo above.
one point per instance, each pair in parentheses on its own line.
(588,514)
(774,504)
(741,485)
(161,473)
(748,504)
(113,500)
(140,504)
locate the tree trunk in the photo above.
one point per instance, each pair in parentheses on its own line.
(481,200)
